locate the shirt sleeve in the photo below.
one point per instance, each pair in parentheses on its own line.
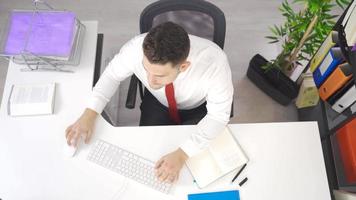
(219,99)
(119,68)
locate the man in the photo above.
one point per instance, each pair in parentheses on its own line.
(187,80)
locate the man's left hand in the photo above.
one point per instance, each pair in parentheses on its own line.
(168,167)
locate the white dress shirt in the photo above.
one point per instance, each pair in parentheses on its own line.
(208,78)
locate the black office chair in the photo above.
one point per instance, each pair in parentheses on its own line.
(197,17)
(97,68)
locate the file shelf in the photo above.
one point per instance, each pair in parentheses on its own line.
(329,121)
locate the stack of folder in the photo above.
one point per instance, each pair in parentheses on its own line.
(43,37)
(334,77)
(338,88)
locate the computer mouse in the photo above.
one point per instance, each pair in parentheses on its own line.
(70,150)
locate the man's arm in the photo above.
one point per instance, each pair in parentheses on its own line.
(117,70)
(219,100)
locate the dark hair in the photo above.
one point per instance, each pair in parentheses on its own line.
(167,42)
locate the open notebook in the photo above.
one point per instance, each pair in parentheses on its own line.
(223,155)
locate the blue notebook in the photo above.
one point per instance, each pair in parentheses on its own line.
(223,195)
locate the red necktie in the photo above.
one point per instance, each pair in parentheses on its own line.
(172,105)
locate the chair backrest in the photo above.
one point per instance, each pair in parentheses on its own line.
(197,17)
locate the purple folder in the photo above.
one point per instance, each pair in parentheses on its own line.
(51,34)
(354,48)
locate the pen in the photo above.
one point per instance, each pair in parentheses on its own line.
(243,181)
(238,173)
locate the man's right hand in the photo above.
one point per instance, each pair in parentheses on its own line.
(83,127)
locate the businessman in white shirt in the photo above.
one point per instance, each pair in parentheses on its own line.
(187,80)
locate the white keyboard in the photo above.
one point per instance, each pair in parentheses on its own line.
(127,164)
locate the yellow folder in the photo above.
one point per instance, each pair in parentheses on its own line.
(329,42)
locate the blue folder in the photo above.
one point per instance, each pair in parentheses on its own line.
(223,195)
(327,66)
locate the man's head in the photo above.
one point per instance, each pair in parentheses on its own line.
(165,48)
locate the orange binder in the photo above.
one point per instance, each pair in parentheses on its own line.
(346,137)
(335,81)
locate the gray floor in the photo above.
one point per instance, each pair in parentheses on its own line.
(247,24)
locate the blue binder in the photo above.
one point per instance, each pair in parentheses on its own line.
(330,62)
(223,195)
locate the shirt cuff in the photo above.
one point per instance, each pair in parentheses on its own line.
(190,148)
(96,104)
(207,129)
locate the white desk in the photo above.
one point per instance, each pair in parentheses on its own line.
(286,160)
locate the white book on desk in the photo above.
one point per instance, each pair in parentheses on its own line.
(32,99)
(223,155)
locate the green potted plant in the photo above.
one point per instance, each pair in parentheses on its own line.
(307,24)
